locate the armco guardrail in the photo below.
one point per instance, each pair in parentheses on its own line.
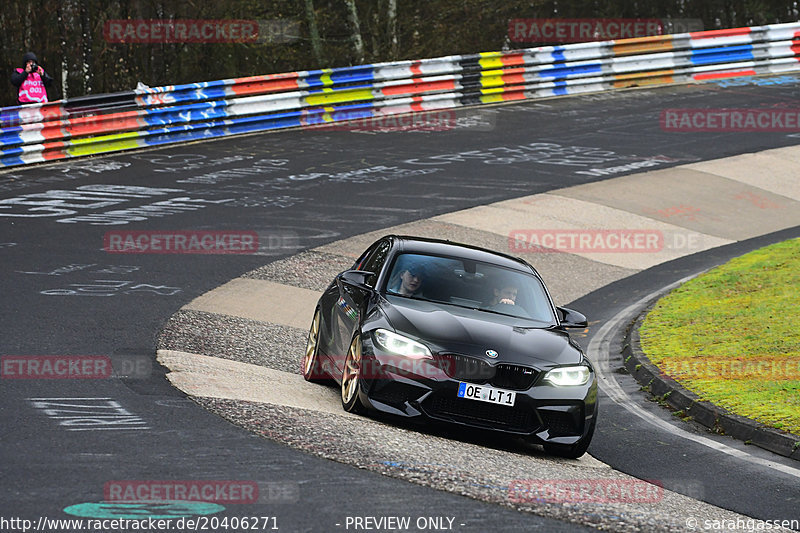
(154,116)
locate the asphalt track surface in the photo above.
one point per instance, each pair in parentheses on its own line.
(696,471)
(64,295)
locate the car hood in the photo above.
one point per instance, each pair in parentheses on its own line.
(453,329)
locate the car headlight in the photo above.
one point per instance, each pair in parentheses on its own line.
(398,344)
(566,376)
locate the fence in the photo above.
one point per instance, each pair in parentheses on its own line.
(154,116)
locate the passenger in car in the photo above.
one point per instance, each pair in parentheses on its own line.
(412,279)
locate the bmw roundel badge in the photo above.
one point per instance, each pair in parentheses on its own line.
(492,354)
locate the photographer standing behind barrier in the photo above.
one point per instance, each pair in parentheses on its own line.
(31,80)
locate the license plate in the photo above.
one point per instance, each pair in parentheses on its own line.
(487,394)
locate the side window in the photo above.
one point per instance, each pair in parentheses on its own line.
(375,261)
(359,264)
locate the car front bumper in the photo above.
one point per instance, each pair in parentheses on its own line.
(543,413)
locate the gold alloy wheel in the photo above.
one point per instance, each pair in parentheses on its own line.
(351,373)
(310,359)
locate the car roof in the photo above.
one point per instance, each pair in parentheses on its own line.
(423,245)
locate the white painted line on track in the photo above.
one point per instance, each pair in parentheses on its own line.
(598,351)
(71,398)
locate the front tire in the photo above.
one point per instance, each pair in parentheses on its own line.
(351,378)
(572,451)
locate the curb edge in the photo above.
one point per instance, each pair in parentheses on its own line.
(715,418)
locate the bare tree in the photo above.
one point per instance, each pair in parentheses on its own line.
(86,48)
(391,27)
(316,46)
(63,9)
(355,30)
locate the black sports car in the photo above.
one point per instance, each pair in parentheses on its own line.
(455,333)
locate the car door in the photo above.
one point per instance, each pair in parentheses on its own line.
(352,300)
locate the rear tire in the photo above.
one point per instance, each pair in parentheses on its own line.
(351,378)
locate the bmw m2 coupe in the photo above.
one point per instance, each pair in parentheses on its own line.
(447,332)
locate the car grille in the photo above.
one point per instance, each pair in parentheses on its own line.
(474,370)
(513,377)
(439,405)
(465,368)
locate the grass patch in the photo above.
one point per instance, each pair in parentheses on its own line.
(732,335)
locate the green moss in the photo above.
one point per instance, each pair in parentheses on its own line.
(732,335)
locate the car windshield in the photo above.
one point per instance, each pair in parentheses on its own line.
(471,284)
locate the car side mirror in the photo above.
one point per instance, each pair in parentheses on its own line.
(357,278)
(571,319)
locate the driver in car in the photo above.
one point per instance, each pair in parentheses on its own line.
(504,294)
(504,299)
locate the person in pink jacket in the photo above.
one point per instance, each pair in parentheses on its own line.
(31,80)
